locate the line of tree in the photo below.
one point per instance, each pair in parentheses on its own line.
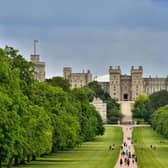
(145,106)
(160,121)
(113,108)
(37,118)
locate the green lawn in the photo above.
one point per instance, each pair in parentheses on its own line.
(89,155)
(147,157)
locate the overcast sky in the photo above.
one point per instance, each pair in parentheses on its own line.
(89,34)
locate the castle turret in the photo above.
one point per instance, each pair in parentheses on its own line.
(39,67)
(88,77)
(35,58)
(67,72)
(136,81)
(114,75)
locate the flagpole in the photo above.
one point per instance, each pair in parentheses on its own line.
(35,42)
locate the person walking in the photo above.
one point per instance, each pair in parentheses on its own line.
(121,161)
(128,162)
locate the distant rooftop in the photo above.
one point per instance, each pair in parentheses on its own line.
(103,78)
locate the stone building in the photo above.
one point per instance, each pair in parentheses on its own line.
(77,80)
(101,108)
(128,87)
(39,67)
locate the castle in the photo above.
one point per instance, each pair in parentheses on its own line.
(120,87)
(77,79)
(39,67)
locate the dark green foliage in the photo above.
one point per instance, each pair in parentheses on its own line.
(25,68)
(160,121)
(139,108)
(39,117)
(90,122)
(98,90)
(113,108)
(145,106)
(55,102)
(113,111)
(157,100)
(59,82)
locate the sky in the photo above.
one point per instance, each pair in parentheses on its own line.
(89,34)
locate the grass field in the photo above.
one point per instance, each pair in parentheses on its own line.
(149,157)
(94,154)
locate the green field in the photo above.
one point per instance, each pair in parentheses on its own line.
(150,157)
(94,154)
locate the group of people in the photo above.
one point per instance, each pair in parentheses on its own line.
(127,158)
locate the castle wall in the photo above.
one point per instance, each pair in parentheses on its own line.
(101,108)
(126,93)
(77,80)
(152,85)
(120,87)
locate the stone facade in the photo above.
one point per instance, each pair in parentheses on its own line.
(77,80)
(128,87)
(39,67)
(101,108)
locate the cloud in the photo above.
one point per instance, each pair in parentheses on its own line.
(89,34)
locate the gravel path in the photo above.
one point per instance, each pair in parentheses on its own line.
(127,136)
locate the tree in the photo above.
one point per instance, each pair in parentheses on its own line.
(160,121)
(90,122)
(59,82)
(26,69)
(156,100)
(65,124)
(21,121)
(139,108)
(113,108)
(9,128)
(10,120)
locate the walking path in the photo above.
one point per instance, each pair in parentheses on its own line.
(127,137)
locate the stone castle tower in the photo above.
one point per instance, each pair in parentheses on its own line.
(125,87)
(39,67)
(137,81)
(77,80)
(115,79)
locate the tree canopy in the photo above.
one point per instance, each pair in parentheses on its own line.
(40,117)
(160,121)
(145,106)
(113,108)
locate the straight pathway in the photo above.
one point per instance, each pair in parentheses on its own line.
(127,135)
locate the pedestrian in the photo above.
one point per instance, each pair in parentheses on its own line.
(121,161)
(128,162)
(125,161)
(126,152)
(121,147)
